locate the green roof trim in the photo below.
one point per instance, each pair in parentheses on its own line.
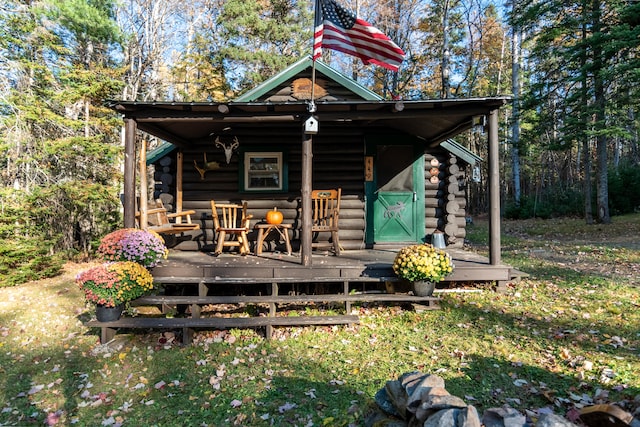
(159,152)
(461,152)
(296,68)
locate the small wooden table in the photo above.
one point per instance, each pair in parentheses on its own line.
(265,229)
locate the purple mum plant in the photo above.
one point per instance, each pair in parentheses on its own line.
(145,247)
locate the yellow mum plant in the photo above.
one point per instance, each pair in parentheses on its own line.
(422,262)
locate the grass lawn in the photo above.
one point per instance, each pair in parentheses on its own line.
(567,336)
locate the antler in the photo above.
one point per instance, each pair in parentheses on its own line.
(208,166)
(228,149)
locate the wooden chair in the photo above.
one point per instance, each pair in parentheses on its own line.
(231,220)
(326,211)
(161,221)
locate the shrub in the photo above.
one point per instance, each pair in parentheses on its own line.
(624,189)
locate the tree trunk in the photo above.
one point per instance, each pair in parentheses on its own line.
(445,50)
(587,189)
(602,187)
(515,114)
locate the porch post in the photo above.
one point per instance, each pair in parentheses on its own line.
(494,190)
(129,202)
(179,174)
(144,205)
(306,216)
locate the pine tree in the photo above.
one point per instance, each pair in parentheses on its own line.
(61,144)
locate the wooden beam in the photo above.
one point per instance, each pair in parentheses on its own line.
(162,134)
(142,161)
(494,190)
(179,172)
(129,202)
(306,186)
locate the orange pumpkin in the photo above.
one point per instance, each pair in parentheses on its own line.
(274,216)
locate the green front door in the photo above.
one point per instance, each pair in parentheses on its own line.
(396,194)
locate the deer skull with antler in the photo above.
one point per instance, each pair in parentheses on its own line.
(228,148)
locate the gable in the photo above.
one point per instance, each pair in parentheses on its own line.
(294,84)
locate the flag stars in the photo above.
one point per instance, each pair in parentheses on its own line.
(338,14)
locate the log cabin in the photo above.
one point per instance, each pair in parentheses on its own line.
(396,162)
(401,172)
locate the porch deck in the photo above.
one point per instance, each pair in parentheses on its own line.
(373,265)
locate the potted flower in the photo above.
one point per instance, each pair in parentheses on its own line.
(423,265)
(112,284)
(131,244)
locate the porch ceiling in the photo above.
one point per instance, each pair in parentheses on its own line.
(186,123)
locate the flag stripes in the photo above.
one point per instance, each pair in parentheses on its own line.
(338,29)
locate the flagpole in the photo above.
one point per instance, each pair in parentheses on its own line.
(312,106)
(306,236)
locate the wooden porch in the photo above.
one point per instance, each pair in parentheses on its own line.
(202,287)
(374,265)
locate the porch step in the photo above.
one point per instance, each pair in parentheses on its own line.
(281,299)
(223,322)
(205,285)
(188,323)
(178,280)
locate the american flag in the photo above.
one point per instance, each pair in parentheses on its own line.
(339,29)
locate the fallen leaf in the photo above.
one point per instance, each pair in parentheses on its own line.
(286,407)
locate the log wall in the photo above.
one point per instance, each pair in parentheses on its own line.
(338,161)
(445,201)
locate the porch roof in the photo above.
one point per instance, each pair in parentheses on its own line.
(186,123)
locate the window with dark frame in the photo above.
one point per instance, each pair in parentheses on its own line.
(263,171)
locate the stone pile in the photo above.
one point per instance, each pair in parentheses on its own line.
(421,400)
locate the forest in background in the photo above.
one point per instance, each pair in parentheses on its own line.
(569,139)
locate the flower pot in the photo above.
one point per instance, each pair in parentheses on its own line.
(108,314)
(423,288)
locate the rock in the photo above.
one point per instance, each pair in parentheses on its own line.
(503,417)
(380,419)
(385,403)
(443,418)
(420,394)
(423,413)
(444,401)
(409,377)
(607,414)
(415,380)
(398,397)
(553,420)
(468,417)
(434,403)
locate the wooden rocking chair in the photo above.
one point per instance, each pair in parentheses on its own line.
(326,210)
(231,220)
(163,222)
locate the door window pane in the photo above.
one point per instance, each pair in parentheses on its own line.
(395,168)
